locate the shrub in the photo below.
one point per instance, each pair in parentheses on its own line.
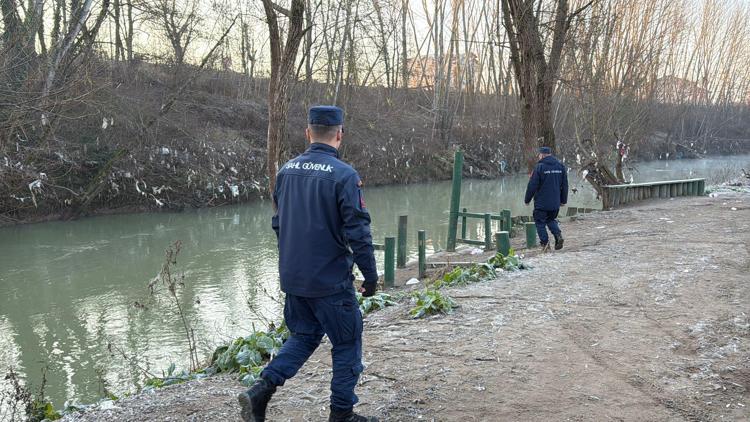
(431,302)
(512,262)
(246,355)
(374,303)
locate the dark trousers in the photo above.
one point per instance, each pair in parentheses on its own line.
(544,219)
(337,316)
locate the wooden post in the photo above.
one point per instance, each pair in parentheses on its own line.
(502,239)
(401,243)
(463,225)
(422,247)
(458,164)
(487,232)
(701,187)
(390,261)
(613,198)
(507,221)
(530,234)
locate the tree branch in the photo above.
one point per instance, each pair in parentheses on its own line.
(580,10)
(282,10)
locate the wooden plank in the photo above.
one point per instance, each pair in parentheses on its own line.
(479,216)
(471,242)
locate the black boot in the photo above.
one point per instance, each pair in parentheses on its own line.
(255,400)
(559,241)
(349,416)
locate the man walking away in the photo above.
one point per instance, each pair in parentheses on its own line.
(548,186)
(323,228)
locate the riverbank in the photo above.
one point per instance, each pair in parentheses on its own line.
(121,150)
(643,316)
(125,152)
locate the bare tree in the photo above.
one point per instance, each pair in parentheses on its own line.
(178,21)
(536,70)
(283,59)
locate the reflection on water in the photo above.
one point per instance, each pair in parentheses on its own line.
(67,289)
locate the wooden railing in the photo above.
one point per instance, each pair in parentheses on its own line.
(616,195)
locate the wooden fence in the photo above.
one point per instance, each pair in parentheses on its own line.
(616,195)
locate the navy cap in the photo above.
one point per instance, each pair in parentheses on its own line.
(545,150)
(326,116)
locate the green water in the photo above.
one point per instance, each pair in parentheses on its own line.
(67,289)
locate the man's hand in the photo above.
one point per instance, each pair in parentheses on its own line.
(562,205)
(368,288)
(526,203)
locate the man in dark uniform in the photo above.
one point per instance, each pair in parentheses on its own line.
(548,186)
(323,228)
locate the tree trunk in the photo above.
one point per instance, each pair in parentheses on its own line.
(119,50)
(308,44)
(243,45)
(383,43)
(62,50)
(18,37)
(537,71)
(129,33)
(404,53)
(342,50)
(282,67)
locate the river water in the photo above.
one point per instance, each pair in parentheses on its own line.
(68,289)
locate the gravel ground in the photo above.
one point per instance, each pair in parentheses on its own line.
(642,317)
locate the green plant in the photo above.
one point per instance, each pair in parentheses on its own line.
(42,410)
(462,276)
(19,403)
(512,262)
(374,303)
(431,302)
(457,277)
(246,355)
(170,377)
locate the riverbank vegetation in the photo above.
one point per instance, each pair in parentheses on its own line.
(20,402)
(134,105)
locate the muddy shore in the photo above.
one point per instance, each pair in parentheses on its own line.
(645,315)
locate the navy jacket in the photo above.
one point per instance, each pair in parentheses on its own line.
(548,185)
(322,224)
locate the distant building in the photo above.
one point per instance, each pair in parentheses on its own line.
(464,71)
(671,89)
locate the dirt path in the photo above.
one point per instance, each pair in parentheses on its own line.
(643,317)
